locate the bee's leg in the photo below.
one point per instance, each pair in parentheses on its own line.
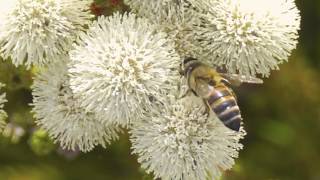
(208,108)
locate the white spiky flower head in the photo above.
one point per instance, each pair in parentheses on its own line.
(39,31)
(181,142)
(57,111)
(121,65)
(149,7)
(175,17)
(3,114)
(247,36)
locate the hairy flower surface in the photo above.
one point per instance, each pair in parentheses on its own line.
(58,112)
(248,37)
(175,17)
(150,7)
(3,114)
(121,65)
(182,142)
(40,31)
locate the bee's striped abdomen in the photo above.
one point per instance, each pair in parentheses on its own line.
(224,104)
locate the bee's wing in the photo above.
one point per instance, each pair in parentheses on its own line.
(237,79)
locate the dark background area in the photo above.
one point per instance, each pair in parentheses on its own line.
(282,119)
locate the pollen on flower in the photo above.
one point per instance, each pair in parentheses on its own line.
(57,111)
(35,32)
(247,37)
(183,141)
(120,65)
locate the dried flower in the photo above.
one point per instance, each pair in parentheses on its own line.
(121,65)
(37,31)
(248,37)
(3,114)
(58,112)
(181,141)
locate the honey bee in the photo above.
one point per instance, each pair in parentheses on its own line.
(215,90)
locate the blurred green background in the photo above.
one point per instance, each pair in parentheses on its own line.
(282,119)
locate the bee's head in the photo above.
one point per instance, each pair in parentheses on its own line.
(186,62)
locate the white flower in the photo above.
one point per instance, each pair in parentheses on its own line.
(58,112)
(39,31)
(3,114)
(121,65)
(175,17)
(246,36)
(178,24)
(150,7)
(182,143)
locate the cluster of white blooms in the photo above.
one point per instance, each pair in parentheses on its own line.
(3,114)
(247,37)
(39,31)
(244,36)
(123,70)
(58,111)
(182,142)
(121,65)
